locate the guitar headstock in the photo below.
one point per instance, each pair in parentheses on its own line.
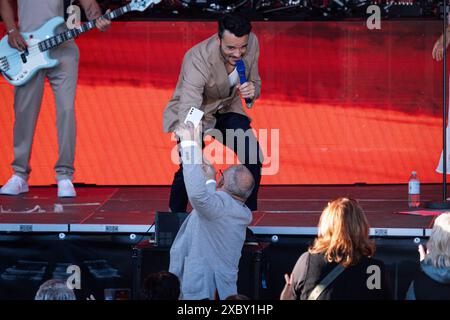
(142,5)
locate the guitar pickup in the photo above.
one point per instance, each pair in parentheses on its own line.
(24,55)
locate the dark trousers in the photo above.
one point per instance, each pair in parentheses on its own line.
(178,196)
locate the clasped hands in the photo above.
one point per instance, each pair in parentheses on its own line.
(187,132)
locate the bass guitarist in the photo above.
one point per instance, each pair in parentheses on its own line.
(27,98)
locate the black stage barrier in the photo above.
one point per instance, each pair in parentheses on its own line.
(27,261)
(106,264)
(117,262)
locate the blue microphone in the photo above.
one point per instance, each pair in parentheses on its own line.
(240,67)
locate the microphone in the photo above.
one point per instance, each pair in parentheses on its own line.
(240,67)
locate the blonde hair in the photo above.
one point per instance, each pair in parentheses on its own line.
(343,235)
(439,244)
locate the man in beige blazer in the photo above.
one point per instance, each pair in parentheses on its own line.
(209,81)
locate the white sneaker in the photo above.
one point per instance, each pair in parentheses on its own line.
(15,186)
(66,189)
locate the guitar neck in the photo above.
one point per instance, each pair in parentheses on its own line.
(62,37)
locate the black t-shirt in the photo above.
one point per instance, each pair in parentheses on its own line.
(426,288)
(367,280)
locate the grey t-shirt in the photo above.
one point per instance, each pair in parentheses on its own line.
(34,13)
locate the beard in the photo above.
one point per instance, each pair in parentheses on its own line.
(228,58)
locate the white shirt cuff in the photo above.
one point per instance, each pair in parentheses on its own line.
(191,153)
(210,181)
(188,143)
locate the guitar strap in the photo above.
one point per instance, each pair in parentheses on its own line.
(329,278)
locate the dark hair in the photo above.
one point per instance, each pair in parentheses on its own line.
(236,23)
(238,297)
(162,285)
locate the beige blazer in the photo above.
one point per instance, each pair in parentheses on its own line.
(203,83)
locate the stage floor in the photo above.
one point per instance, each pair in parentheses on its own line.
(287,210)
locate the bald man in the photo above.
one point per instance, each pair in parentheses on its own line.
(205,254)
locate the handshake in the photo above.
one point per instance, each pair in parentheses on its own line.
(190,130)
(187,132)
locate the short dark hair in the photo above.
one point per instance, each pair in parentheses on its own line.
(236,23)
(162,285)
(237,297)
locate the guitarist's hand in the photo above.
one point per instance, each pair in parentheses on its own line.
(103,24)
(16,41)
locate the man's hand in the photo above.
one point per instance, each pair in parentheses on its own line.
(287,293)
(189,138)
(422,253)
(93,11)
(186,132)
(16,41)
(438,49)
(209,170)
(103,24)
(247,90)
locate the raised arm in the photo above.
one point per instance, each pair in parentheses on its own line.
(207,203)
(252,88)
(201,195)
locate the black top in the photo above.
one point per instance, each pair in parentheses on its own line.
(366,280)
(426,288)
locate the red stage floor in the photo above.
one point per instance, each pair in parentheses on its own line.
(287,210)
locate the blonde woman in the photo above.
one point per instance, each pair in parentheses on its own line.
(342,253)
(433,280)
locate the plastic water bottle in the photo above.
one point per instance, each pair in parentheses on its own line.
(413,191)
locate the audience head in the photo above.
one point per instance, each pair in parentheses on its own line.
(162,285)
(343,235)
(55,289)
(238,181)
(439,244)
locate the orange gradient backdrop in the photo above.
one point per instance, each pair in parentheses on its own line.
(351,104)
